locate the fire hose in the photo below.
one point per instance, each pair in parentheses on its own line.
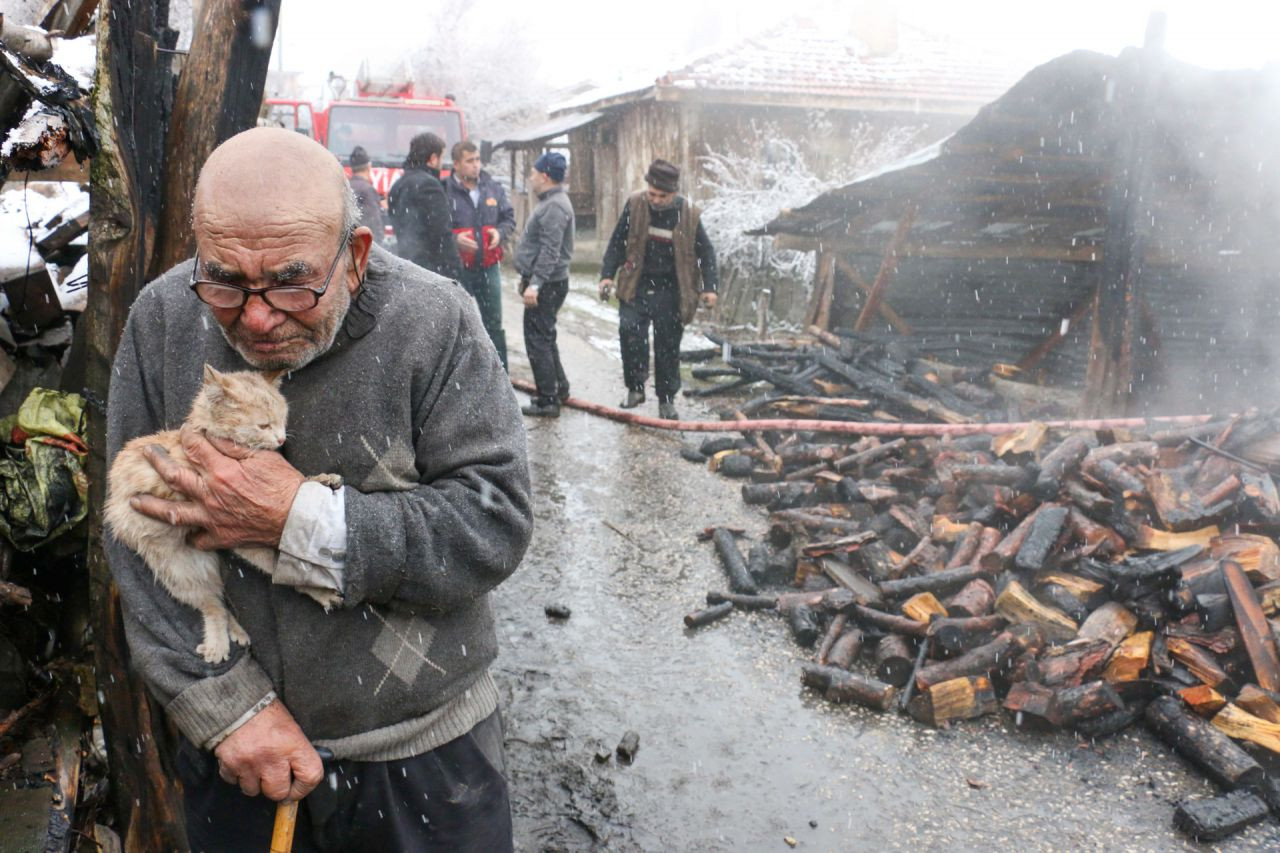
(864,427)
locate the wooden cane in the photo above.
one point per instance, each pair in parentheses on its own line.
(282,832)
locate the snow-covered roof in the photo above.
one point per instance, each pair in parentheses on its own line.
(548,130)
(808,64)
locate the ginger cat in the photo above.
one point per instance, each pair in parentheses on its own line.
(244,407)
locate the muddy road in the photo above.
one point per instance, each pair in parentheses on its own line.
(733,754)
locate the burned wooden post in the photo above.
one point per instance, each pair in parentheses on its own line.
(226,68)
(132,100)
(1110,372)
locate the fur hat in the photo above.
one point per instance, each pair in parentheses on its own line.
(663,176)
(553,165)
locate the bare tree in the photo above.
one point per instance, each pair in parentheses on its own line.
(480,54)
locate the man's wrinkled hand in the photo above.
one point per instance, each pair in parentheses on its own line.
(606,289)
(708,299)
(270,755)
(466,241)
(234,496)
(530,296)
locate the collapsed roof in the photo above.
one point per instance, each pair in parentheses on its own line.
(1009,219)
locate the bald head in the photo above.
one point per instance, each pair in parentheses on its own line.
(270,178)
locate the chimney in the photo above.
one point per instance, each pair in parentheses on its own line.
(875,24)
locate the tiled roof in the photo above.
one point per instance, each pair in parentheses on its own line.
(807,59)
(813,63)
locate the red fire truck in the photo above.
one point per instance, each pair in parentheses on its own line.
(382,117)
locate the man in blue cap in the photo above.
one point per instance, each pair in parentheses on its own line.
(543,263)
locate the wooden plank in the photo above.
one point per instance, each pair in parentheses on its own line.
(892,317)
(1254,629)
(887,265)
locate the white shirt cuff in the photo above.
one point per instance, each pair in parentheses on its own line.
(313,545)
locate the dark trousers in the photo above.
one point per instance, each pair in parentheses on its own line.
(452,798)
(540,342)
(656,302)
(485,285)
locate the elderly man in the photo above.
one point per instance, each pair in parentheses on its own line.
(665,265)
(386,366)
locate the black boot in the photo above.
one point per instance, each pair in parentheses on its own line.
(667,410)
(542,408)
(634,398)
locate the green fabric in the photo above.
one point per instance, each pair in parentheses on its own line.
(43,486)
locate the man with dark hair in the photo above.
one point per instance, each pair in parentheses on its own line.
(419,211)
(483,219)
(366,196)
(665,265)
(542,260)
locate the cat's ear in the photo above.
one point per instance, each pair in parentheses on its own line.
(211,375)
(275,377)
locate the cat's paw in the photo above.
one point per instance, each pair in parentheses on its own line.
(333,481)
(237,633)
(214,650)
(325,598)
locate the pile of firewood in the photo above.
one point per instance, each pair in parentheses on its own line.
(870,377)
(1085,581)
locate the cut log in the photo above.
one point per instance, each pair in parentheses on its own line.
(1111,622)
(938,583)
(994,657)
(1238,723)
(958,699)
(1032,703)
(1150,539)
(1097,538)
(922,607)
(1018,605)
(1202,664)
(953,635)
(1042,537)
(1254,630)
(1259,703)
(894,660)
(976,598)
(744,602)
(833,632)
(1060,462)
(1086,702)
(1216,818)
(734,566)
(804,625)
(1211,751)
(889,621)
(864,591)
(1259,556)
(698,618)
(845,650)
(966,547)
(1203,699)
(1073,664)
(847,687)
(1130,658)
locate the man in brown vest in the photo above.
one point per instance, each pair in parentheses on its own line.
(664,265)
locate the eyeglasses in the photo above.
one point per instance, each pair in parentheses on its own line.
(289,298)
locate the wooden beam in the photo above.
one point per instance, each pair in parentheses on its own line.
(219,94)
(1109,374)
(887,265)
(893,318)
(823,281)
(133,84)
(1037,354)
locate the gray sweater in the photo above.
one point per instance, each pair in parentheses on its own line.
(412,407)
(547,244)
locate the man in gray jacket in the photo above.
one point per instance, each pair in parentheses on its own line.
(387,366)
(543,263)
